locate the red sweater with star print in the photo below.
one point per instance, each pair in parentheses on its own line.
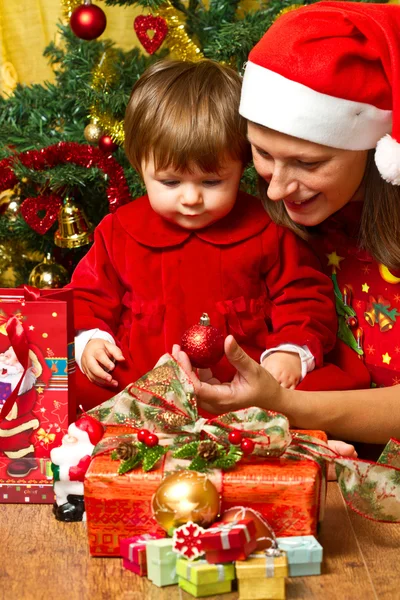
(146,280)
(372,291)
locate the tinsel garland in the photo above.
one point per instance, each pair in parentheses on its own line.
(177,40)
(82,155)
(68,6)
(179,44)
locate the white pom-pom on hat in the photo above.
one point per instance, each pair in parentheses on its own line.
(387,159)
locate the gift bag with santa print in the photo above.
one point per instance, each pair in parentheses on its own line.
(36,389)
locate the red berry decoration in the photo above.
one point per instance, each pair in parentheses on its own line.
(247,446)
(106,144)
(151,440)
(88,21)
(235,437)
(142,435)
(203,344)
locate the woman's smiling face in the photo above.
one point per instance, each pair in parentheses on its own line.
(313,181)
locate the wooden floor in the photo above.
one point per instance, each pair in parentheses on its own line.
(43,559)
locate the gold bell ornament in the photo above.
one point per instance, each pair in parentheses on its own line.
(48,274)
(74,229)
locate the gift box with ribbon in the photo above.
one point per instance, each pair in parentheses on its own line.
(207,589)
(288,490)
(283,479)
(133,552)
(304,554)
(37,371)
(262,575)
(201,572)
(226,542)
(161,562)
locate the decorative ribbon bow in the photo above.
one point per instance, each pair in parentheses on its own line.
(163,401)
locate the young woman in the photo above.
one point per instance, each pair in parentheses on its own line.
(319,92)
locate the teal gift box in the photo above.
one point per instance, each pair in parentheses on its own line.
(161,562)
(304,554)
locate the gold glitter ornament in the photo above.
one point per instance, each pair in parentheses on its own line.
(6,256)
(92,133)
(286,10)
(48,274)
(14,205)
(185,496)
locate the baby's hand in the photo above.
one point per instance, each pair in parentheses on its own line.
(285,367)
(98,359)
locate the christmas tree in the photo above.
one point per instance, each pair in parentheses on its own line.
(62,163)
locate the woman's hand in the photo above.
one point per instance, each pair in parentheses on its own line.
(252,385)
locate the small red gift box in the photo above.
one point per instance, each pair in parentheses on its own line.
(133,551)
(223,556)
(226,536)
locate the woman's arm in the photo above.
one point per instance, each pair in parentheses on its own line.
(371,415)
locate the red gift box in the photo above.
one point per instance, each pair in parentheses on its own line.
(290,494)
(223,556)
(36,348)
(226,536)
(133,551)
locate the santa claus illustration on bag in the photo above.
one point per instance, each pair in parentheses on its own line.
(70,462)
(17,427)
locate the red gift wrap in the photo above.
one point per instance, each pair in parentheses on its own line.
(226,536)
(289,493)
(37,371)
(224,556)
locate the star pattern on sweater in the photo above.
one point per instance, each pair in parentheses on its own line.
(334,260)
(386,358)
(365,287)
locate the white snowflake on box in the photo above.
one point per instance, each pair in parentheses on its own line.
(186,540)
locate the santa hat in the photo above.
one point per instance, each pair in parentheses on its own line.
(329,73)
(87,429)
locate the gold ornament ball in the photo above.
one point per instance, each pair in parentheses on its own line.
(185,496)
(12,199)
(92,133)
(6,256)
(48,274)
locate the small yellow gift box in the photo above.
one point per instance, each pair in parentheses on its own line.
(262,575)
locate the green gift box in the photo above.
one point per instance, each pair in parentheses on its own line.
(207,589)
(200,572)
(161,562)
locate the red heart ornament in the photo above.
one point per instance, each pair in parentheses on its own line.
(144,23)
(31,206)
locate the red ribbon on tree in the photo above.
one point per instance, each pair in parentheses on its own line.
(82,155)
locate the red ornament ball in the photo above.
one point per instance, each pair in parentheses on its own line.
(203,344)
(247,446)
(151,440)
(235,437)
(88,21)
(142,435)
(107,144)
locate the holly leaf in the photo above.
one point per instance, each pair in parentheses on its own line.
(152,456)
(199,464)
(128,465)
(187,451)
(114,455)
(229,460)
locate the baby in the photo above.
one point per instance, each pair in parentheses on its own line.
(194,243)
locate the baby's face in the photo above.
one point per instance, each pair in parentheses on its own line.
(195,199)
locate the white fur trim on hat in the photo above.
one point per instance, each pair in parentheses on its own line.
(290,107)
(387,159)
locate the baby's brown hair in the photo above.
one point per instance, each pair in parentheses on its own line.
(185,114)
